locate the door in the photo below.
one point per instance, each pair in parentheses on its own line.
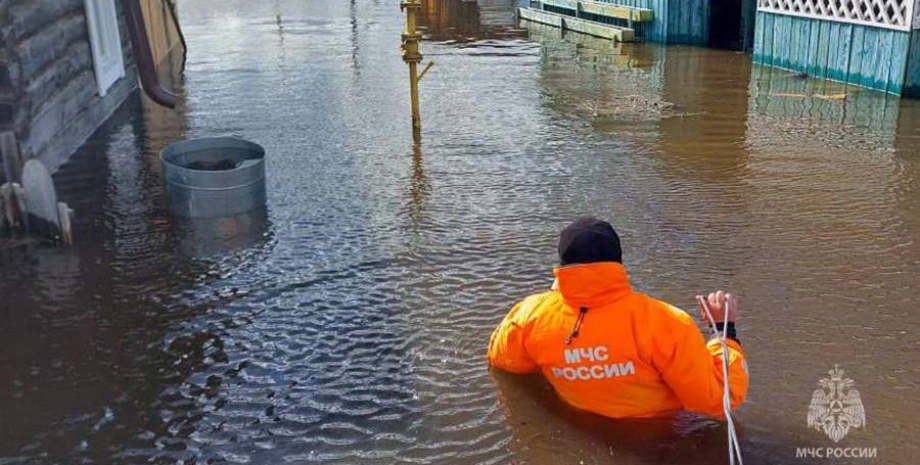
(725,24)
(105,42)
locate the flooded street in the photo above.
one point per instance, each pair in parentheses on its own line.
(348,323)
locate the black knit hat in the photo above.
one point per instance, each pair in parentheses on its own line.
(589,240)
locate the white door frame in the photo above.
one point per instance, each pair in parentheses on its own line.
(105,43)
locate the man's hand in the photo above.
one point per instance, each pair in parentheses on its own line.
(718,303)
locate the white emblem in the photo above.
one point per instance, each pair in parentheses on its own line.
(836,407)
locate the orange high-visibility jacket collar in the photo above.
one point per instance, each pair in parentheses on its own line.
(593,285)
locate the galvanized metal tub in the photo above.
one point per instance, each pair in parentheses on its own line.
(214,177)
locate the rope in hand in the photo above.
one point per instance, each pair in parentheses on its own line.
(734,448)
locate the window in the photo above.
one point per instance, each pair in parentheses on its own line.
(105,41)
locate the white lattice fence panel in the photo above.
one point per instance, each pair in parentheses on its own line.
(891,14)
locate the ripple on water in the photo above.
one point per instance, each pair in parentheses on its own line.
(349,324)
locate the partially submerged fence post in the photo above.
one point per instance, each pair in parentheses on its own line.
(12,163)
(28,200)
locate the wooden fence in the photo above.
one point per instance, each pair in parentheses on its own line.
(866,43)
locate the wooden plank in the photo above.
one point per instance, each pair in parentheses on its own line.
(542,17)
(911,87)
(837,56)
(617,11)
(797,47)
(769,51)
(160,28)
(567,4)
(857,55)
(9,155)
(605,31)
(758,40)
(792,44)
(833,48)
(604,9)
(833,32)
(778,40)
(871,61)
(900,50)
(781,42)
(696,22)
(880,77)
(673,32)
(824,28)
(583,26)
(814,32)
(683,21)
(699,23)
(658,31)
(807,52)
(845,38)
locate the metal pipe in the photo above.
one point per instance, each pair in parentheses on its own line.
(427,67)
(146,67)
(410,46)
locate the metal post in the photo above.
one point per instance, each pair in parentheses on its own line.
(410,47)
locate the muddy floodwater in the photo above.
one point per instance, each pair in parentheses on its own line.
(347,322)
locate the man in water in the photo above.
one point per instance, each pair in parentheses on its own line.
(613,351)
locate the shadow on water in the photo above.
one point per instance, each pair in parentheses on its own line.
(419,187)
(220,237)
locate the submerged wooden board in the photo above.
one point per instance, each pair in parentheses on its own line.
(641,15)
(541,17)
(599,29)
(568,23)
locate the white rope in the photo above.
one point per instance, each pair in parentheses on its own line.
(734,448)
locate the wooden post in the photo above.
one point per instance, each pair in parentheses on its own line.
(410,46)
(12,162)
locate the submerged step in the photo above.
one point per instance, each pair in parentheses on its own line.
(568,23)
(604,9)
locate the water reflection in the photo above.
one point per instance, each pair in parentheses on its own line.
(616,87)
(219,237)
(420,187)
(349,325)
(465,21)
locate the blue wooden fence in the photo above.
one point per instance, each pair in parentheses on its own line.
(676,21)
(866,56)
(912,73)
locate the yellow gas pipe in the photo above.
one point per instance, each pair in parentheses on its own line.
(410,54)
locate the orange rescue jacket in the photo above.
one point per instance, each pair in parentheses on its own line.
(629,356)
